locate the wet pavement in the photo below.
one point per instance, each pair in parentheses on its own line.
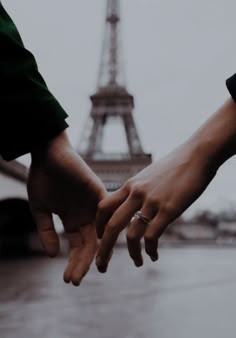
(189,293)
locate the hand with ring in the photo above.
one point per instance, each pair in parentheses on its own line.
(161,192)
(148,202)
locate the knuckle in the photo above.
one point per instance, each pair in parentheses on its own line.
(137,191)
(150,238)
(131,237)
(152,202)
(101,208)
(168,210)
(128,185)
(112,229)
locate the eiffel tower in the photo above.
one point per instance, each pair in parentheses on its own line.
(112,101)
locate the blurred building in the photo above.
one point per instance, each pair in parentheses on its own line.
(226,232)
(195,231)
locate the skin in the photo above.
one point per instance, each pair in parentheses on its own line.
(61,183)
(164,190)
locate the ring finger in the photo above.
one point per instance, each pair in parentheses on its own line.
(136,231)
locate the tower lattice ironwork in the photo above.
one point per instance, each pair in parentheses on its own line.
(112,100)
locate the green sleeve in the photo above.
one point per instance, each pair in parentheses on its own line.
(29,113)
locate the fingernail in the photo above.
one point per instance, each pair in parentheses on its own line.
(100,265)
(154,258)
(102,269)
(138,263)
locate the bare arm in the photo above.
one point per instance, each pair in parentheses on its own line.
(164,190)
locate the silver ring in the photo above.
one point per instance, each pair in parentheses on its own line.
(139,215)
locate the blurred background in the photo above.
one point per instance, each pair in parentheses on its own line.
(173,58)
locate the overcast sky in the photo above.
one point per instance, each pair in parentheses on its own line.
(177,57)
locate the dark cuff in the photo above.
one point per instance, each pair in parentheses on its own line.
(231,85)
(21,138)
(23,147)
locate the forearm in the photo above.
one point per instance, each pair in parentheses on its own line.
(42,151)
(56,150)
(215,141)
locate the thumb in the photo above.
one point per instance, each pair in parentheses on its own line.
(47,232)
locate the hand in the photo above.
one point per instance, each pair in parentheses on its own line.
(61,183)
(162,192)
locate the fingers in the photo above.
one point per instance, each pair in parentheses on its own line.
(151,248)
(74,258)
(153,233)
(83,247)
(46,231)
(117,223)
(156,227)
(123,208)
(106,208)
(135,232)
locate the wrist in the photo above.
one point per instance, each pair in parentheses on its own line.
(41,153)
(58,156)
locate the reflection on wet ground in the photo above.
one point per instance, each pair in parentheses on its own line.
(189,293)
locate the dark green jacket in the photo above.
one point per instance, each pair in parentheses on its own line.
(29,113)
